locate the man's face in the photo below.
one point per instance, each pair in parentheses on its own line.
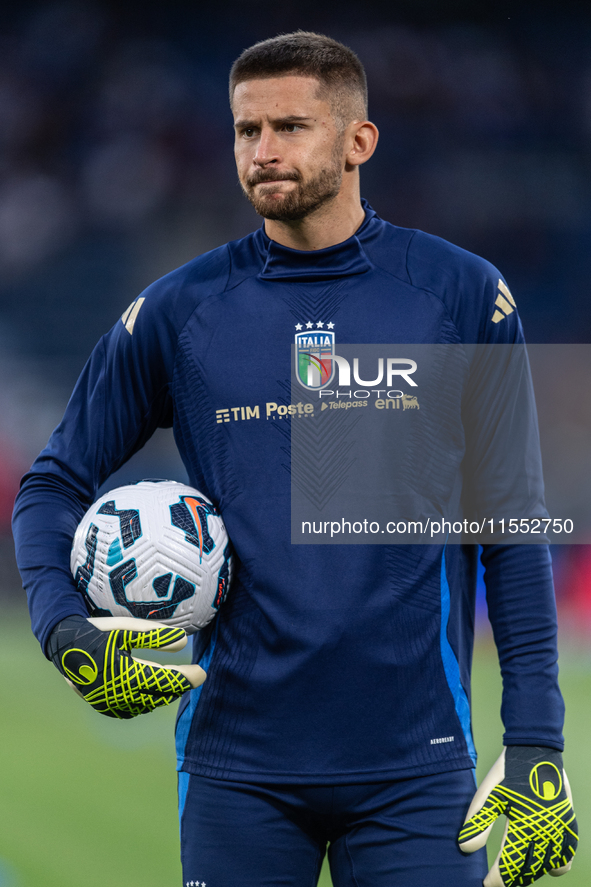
(289,154)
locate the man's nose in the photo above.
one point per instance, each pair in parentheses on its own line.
(267,151)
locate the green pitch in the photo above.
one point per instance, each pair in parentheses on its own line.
(86,800)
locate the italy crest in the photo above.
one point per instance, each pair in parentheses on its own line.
(314,352)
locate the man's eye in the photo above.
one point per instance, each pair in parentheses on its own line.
(249,132)
(291,127)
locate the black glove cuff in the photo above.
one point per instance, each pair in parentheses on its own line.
(73,631)
(529,767)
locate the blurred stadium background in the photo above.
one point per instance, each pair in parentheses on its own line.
(115,167)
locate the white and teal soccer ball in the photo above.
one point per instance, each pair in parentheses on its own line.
(153,550)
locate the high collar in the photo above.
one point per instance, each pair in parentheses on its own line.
(341,260)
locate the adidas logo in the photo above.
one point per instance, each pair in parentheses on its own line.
(504,301)
(129,316)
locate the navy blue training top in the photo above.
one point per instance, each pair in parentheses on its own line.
(327,663)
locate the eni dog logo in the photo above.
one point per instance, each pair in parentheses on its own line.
(545,781)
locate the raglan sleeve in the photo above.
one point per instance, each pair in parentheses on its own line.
(518,578)
(500,397)
(502,466)
(121,397)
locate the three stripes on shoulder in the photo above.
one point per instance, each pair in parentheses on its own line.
(129,316)
(504,301)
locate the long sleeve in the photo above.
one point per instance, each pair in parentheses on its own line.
(121,397)
(522,612)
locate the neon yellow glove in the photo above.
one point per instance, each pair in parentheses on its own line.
(529,785)
(94,655)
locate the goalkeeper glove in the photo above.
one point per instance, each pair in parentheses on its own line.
(94,655)
(528,785)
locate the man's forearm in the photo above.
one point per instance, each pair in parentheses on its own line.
(45,518)
(522,611)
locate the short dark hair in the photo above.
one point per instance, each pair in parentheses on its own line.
(337,68)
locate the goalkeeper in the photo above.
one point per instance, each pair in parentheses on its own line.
(336,710)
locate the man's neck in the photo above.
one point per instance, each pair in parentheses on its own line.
(332,223)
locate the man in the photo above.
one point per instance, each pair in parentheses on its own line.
(336,708)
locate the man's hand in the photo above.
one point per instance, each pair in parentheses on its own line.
(95,657)
(528,785)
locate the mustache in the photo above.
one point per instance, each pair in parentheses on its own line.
(269,175)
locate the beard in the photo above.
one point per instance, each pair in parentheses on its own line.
(302,200)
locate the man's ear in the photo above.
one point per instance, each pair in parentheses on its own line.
(362,139)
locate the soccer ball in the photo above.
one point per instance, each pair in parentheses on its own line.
(153,550)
